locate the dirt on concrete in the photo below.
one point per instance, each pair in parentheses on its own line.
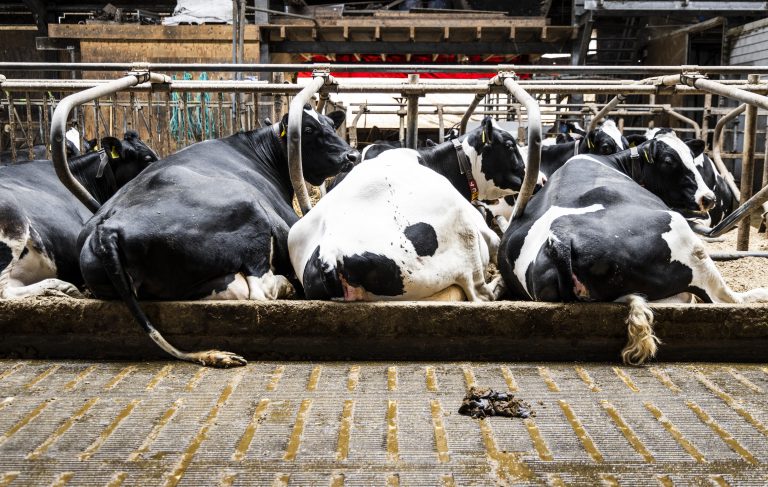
(747,273)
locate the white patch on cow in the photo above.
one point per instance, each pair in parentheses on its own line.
(539,233)
(237,289)
(312,114)
(651,133)
(686,248)
(684,152)
(699,160)
(365,151)
(372,209)
(31,275)
(610,128)
(549,141)
(541,179)
(269,287)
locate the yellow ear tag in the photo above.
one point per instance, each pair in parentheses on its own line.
(282,134)
(114,154)
(589,143)
(483,137)
(646,157)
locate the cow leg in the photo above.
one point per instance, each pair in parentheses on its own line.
(263,283)
(25,268)
(642,344)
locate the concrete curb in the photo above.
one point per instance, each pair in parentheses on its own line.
(316,330)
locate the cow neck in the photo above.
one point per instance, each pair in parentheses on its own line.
(444,159)
(94,172)
(269,153)
(631,161)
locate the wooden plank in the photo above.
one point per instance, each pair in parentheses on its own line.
(409,47)
(178,33)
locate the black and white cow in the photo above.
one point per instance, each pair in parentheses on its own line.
(604,140)
(725,199)
(40,220)
(401,226)
(209,222)
(602,230)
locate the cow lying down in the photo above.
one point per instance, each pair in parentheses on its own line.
(40,219)
(210,221)
(398,227)
(602,230)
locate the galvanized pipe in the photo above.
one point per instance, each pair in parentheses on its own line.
(747,166)
(717,143)
(59,122)
(412,116)
(604,111)
(734,218)
(362,108)
(735,93)
(468,113)
(696,128)
(295,114)
(351,68)
(399,88)
(534,143)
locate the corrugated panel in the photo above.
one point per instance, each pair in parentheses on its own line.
(748,48)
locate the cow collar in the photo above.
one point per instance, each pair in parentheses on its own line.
(465,168)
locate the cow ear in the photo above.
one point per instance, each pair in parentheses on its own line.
(591,139)
(696,146)
(487,135)
(113,147)
(635,140)
(338,117)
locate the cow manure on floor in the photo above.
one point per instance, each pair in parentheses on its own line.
(480,403)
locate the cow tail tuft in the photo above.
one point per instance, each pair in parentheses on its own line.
(642,344)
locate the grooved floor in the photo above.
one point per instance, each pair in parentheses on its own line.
(388,424)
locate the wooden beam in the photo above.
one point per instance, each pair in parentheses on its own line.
(446,33)
(352,47)
(478,33)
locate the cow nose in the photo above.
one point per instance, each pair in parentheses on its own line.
(707,202)
(352,156)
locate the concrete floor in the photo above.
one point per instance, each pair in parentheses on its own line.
(387,424)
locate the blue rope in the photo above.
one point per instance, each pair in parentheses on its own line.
(191,122)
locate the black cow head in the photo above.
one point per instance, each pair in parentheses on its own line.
(127,157)
(669,171)
(606,139)
(499,159)
(323,152)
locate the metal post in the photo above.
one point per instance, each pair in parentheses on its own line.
(412,132)
(59,127)
(717,144)
(470,109)
(696,128)
(533,140)
(361,109)
(604,111)
(440,125)
(747,166)
(295,113)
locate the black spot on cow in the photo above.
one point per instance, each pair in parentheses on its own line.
(375,273)
(24,252)
(320,283)
(6,256)
(423,237)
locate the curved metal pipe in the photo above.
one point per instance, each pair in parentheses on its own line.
(352,129)
(696,127)
(734,218)
(295,114)
(725,90)
(475,101)
(533,140)
(717,142)
(59,126)
(604,111)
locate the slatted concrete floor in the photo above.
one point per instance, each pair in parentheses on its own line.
(386,424)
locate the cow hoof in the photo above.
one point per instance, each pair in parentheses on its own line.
(68,291)
(219,359)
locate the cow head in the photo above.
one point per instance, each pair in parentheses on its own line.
(323,152)
(606,139)
(669,171)
(127,157)
(497,166)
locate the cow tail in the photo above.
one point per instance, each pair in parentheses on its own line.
(642,344)
(107,251)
